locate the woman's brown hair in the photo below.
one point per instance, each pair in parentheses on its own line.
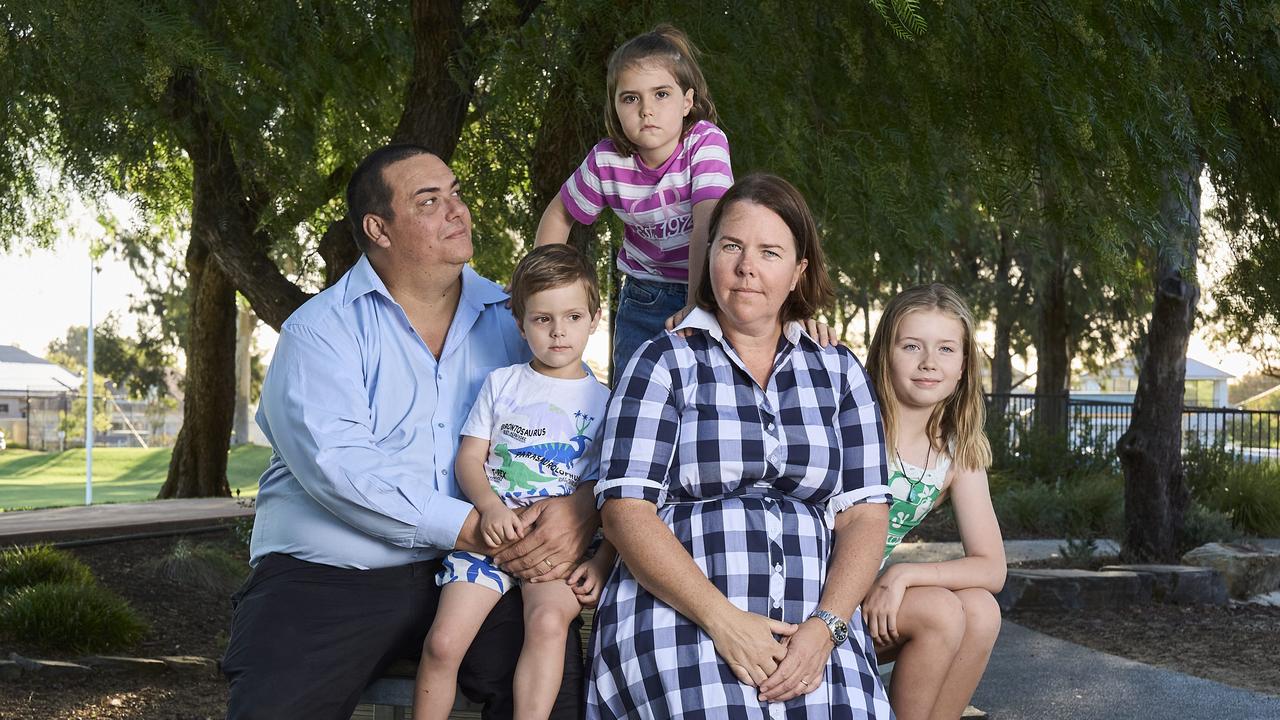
(813,291)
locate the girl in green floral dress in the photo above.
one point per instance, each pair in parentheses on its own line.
(938,621)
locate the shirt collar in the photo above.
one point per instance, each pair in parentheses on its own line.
(700,319)
(476,290)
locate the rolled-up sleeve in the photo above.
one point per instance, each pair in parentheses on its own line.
(641,430)
(318,409)
(864,470)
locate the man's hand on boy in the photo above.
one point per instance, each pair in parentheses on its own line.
(558,531)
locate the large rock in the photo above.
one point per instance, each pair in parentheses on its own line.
(1248,569)
(49,667)
(193,664)
(1180,584)
(120,664)
(1072,589)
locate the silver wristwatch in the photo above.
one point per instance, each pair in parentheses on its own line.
(839,628)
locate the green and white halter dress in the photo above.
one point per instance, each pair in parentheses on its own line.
(914,492)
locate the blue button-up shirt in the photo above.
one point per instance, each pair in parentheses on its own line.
(365,421)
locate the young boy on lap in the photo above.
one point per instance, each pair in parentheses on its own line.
(531,435)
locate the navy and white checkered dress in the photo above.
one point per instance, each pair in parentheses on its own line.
(749,480)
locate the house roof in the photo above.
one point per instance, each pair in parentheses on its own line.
(22,372)
(1197,370)
(1127,367)
(13,354)
(1265,394)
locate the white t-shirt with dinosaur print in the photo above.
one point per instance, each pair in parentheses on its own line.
(543,432)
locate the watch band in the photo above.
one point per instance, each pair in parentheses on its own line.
(838,627)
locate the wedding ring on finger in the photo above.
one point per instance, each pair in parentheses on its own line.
(548,562)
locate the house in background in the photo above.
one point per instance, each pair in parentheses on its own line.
(1206,386)
(29,384)
(1265,400)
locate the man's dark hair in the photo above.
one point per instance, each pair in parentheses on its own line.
(368,192)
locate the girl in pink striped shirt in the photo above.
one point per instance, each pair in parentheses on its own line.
(661,170)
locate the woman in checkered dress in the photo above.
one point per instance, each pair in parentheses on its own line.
(744,486)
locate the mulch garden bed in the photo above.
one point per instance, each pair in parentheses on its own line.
(1234,644)
(184,620)
(1228,644)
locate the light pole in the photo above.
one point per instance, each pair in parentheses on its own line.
(88,413)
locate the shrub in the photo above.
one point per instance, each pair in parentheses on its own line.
(1250,496)
(22,567)
(1093,506)
(70,618)
(1032,509)
(201,566)
(1202,525)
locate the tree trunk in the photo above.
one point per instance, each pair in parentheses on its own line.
(435,109)
(245,324)
(569,125)
(1155,491)
(1053,343)
(221,217)
(1001,357)
(198,467)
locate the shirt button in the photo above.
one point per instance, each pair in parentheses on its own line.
(440,425)
(770,427)
(778,567)
(444,472)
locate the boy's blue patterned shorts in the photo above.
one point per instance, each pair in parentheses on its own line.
(461,566)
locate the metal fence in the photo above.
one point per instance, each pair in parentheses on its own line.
(55,421)
(1098,425)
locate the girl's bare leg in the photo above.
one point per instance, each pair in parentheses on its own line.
(463,609)
(981,626)
(548,610)
(931,626)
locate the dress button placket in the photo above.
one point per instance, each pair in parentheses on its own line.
(777,576)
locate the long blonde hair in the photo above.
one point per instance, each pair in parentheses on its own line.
(958,420)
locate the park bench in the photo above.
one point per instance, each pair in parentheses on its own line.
(390,696)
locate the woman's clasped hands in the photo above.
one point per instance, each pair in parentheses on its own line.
(781,659)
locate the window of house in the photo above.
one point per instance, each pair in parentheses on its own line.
(4,408)
(1199,393)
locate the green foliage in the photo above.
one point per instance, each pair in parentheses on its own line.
(1246,492)
(242,529)
(201,566)
(69,618)
(1202,525)
(22,567)
(134,366)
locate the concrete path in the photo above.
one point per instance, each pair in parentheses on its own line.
(55,524)
(1036,677)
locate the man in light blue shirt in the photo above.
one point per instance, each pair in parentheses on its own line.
(371,382)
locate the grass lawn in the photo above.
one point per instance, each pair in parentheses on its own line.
(30,479)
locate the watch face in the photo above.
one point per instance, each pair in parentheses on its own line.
(840,632)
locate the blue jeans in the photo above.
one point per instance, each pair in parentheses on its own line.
(643,309)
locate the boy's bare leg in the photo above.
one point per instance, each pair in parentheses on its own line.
(549,608)
(463,608)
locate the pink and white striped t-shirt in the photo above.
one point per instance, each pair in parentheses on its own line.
(655,204)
